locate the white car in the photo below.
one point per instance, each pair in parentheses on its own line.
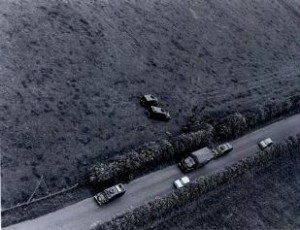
(181,182)
(265,143)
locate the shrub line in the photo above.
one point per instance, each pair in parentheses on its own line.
(157,208)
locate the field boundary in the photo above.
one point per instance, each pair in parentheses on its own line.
(41,198)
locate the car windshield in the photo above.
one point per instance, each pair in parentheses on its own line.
(263,143)
(189,162)
(119,188)
(150,98)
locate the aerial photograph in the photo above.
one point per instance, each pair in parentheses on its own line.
(150,114)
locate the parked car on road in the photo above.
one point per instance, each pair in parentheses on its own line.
(110,194)
(148,100)
(159,113)
(265,143)
(223,149)
(181,182)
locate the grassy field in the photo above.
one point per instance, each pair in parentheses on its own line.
(72,72)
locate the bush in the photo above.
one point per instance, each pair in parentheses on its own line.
(226,125)
(149,156)
(195,125)
(270,111)
(231,126)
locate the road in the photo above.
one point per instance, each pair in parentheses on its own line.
(86,213)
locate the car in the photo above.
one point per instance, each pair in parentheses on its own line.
(265,143)
(181,182)
(158,113)
(110,194)
(223,149)
(148,100)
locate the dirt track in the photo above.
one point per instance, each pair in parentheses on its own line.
(71,73)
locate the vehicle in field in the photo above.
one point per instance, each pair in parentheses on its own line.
(158,113)
(222,149)
(181,182)
(110,194)
(196,159)
(148,100)
(265,143)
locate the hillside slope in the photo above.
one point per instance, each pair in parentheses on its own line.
(72,71)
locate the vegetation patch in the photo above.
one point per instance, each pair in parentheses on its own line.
(198,132)
(228,124)
(154,210)
(149,156)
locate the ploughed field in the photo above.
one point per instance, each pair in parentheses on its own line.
(72,73)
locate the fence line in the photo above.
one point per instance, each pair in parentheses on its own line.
(42,198)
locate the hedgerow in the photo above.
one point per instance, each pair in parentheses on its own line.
(198,132)
(154,210)
(231,126)
(148,156)
(226,125)
(270,110)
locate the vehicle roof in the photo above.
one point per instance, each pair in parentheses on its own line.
(178,183)
(156,109)
(150,97)
(202,154)
(185,179)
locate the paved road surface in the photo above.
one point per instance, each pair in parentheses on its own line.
(85,213)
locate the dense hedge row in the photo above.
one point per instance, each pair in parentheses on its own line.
(148,156)
(271,110)
(158,208)
(230,125)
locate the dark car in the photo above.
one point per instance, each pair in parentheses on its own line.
(110,194)
(148,100)
(158,113)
